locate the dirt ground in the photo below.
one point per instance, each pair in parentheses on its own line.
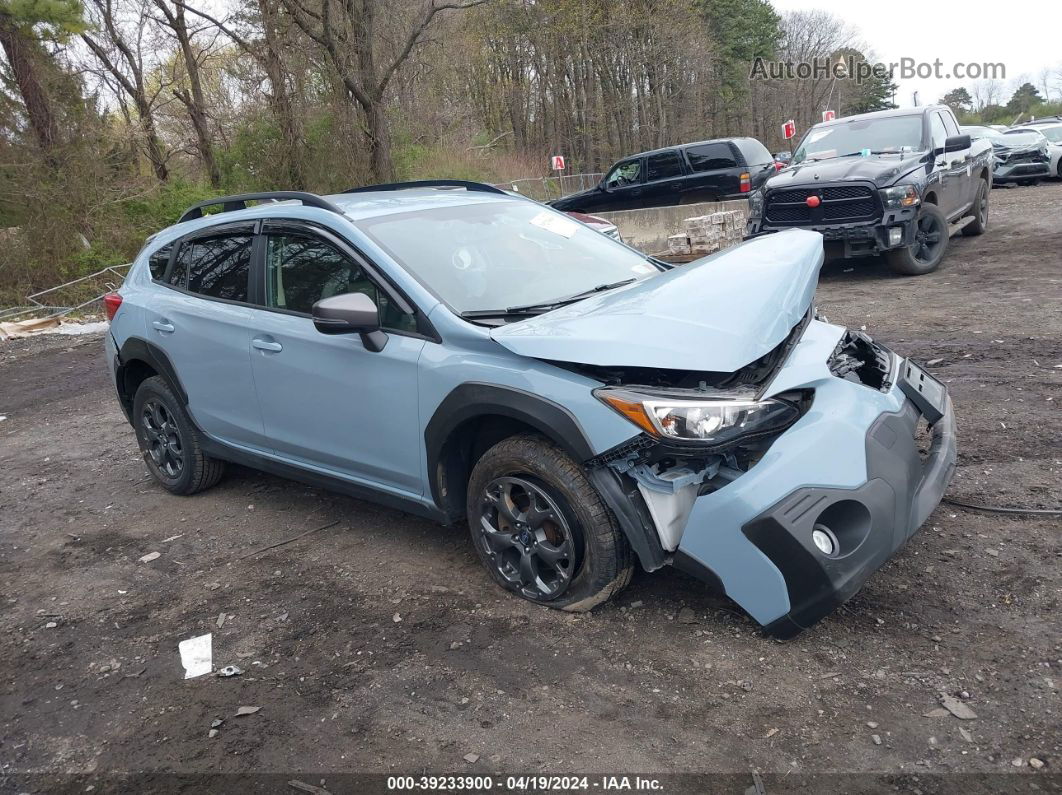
(379,645)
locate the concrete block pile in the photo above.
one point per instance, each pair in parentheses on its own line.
(705,234)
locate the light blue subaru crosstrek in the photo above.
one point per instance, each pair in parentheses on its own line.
(469,355)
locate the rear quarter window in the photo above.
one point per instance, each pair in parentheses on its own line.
(754,152)
(159,261)
(711,157)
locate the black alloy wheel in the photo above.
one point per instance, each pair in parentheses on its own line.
(163,438)
(527,538)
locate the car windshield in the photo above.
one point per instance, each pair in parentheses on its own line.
(880,136)
(504,254)
(1052,134)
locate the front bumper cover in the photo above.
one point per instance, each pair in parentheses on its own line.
(856,239)
(851,463)
(871,522)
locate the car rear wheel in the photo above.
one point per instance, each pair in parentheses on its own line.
(980,213)
(169,441)
(929,246)
(541,529)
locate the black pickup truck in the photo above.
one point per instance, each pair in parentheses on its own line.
(725,168)
(895,182)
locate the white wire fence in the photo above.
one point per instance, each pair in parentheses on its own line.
(77,295)
(547,188)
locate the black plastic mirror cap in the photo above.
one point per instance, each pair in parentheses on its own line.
(346,314)
(956,142)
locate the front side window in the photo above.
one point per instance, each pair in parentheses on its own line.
(502,254)
(1052,134)
(663,166)
(302,269)
(218,267)
(629,173)
(711,157)
(938,131)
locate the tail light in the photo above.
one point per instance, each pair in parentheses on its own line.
(111,302)
(778,165)
(746,182)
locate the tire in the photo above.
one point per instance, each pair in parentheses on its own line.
(1059,174)
(931,243)
(980,213)
(541,529)
(170,443)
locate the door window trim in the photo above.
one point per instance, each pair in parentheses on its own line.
(233,227)
(298,226)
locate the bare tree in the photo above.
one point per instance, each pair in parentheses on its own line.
(192,97)
(267,54)
(347,32)
(121,53)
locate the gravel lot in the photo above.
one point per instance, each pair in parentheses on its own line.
(378,644)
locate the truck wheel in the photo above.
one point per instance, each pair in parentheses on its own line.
(927,250)
(542,530)
(980,213)
(169,441)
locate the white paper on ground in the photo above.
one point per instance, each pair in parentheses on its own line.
(196,656)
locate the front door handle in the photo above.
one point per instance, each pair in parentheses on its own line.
(164,326)
(267,345)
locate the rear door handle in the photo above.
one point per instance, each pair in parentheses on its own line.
(267,345)
(164,326)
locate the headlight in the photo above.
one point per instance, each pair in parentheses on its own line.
(756,202)
(900,196)
(711,422)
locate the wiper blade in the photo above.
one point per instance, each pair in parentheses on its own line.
(546,306)
(571,299)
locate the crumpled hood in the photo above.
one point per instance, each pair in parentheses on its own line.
(882,170)
(715,314)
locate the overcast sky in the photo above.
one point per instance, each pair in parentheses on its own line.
(1022,35)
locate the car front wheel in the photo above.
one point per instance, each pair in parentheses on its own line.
(541,529)
(927,250)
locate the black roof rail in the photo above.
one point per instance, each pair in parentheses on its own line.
(239,202)
(468,185)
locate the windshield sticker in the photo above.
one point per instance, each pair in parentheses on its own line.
(640,268)
(557,224)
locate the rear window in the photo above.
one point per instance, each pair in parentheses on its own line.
(158,261)
(664,165)
(215,267)
(754,152)
(711,157)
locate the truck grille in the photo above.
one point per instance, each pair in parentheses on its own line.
(840,204)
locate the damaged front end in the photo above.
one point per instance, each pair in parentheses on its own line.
(700,432)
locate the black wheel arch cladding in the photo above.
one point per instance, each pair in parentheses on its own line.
(136,351)
(451,433)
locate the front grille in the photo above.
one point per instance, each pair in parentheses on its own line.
(839,204)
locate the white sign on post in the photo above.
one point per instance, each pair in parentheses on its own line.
(557,162)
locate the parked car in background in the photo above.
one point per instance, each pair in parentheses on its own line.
(1051,129)
(726,168)
(598,224)
(892,182)
(781,159)
(1021,156)
(477,358)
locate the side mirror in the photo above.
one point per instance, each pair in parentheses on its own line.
(351,313)
(956,143)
